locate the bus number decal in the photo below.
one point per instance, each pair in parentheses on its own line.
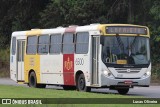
(79,61)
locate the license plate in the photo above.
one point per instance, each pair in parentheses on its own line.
(128,82)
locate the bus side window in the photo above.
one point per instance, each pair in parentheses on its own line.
(13,45)
(82,42)
(43,44)
(32,45)
(68,43)
(56,44)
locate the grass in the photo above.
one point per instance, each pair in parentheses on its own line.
(25,92)
(18,92)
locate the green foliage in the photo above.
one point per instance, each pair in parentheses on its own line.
(155,10)
(4,54)
(19,15)
(73,12)
(155,74)
(4,62)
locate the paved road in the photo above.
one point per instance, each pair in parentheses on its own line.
(148,92)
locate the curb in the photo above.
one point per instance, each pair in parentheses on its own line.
(155,84)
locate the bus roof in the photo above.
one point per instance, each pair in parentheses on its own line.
(91,27)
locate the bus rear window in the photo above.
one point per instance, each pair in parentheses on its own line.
(13,45)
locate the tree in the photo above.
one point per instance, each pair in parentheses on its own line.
(155,31)
(19,15)
(69,12)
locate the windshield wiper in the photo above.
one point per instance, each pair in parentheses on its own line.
(121,45)
(133,43)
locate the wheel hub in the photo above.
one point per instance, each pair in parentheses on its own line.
(82,84)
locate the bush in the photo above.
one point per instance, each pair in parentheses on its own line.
(4,62)
(156,73)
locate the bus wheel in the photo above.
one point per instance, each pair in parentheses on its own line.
(32,80)
(65,87)
(81,85)
(123,91)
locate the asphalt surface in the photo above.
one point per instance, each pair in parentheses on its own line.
(148,92)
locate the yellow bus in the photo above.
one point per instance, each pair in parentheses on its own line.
(114,56)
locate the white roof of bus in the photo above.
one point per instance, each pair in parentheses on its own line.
(19,33)
(91,27)
(53,31)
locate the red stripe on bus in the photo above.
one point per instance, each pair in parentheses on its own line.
(70,29)
(68,69)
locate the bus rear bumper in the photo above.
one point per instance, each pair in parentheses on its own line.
(142,82)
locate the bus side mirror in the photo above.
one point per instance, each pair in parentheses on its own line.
(102,40)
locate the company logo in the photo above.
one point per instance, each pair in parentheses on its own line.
(68,64)
(128,70)
(21,101)
(6,101)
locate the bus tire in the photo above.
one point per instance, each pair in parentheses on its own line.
(123,91)
(32,80)
(81,84)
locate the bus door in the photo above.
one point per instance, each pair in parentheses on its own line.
(20,60)
(13,60)
(95,51)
